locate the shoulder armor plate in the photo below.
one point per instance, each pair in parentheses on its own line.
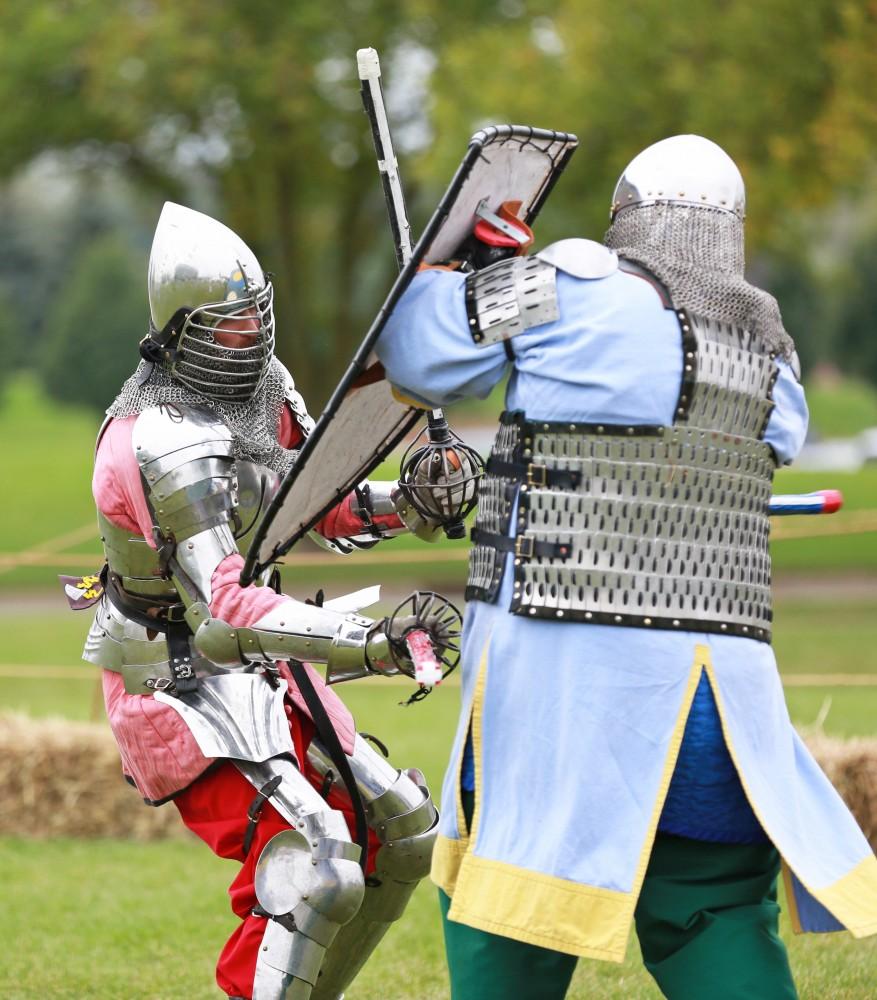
(167,436)
(185,458)
(509,297)
(581,258)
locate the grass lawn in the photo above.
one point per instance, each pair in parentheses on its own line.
(111,919)
(121,921)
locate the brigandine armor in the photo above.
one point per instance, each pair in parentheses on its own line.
(649,526)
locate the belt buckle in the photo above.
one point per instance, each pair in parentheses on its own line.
(524,546)
(534,470)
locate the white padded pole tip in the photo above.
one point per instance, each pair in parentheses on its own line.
(368,63)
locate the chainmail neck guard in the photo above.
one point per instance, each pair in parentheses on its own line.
(253,423)
(697,252)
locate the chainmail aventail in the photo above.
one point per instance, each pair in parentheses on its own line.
(253,424)
(697,252)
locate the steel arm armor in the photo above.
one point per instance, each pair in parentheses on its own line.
(350,645)
(191,484)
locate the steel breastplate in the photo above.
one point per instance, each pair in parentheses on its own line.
(117,643)
(648,526)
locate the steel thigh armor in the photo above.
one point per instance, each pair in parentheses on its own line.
(307,878)
(400,811)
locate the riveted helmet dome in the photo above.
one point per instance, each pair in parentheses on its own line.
(682,170)
(201,273)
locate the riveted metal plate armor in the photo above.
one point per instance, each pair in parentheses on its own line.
(496,495)
(509,297)
(661,527)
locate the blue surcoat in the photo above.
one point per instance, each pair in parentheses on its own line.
(586,738)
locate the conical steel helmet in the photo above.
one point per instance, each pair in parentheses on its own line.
(684,170)
(201,275)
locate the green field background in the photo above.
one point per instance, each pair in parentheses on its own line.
(113,919)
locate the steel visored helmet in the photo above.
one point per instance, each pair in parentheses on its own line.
(684,169)
(200,273)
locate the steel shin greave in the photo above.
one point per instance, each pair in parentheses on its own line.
(400,811)
(308,880)
(349,644)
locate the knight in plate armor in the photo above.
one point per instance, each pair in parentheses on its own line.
(624,753)
(198,671)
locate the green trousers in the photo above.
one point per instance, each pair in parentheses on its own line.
(707,925)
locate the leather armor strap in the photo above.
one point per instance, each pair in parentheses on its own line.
(523,546)
(534,475)
(329,739)
(169,621)
(254,813)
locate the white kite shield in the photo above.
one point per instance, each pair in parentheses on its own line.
(363,421)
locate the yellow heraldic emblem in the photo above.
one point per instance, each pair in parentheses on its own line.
(82,591)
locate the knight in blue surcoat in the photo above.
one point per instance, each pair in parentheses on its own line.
(624,752)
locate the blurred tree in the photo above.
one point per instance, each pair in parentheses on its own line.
(12,333)
(857,326)
(250,109)
(94,325)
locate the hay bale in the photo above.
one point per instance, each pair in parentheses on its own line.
(64,779)
(851,766)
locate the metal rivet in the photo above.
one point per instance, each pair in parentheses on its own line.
(532,611)
(676,622)
(559,614)
(588,615)
(647,621)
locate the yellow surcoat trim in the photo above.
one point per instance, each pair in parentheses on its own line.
(588,921)
(851,898)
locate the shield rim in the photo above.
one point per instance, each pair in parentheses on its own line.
(253,567)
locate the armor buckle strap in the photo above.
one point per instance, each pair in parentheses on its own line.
(523,546)
(534,474)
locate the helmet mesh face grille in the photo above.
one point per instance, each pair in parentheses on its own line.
(245,386)
(221,372)
(697,252)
